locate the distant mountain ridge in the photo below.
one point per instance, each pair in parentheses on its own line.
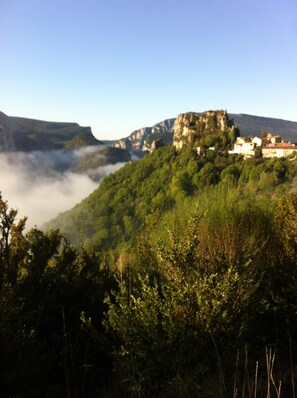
(255,125)
(140,141)
(22,134)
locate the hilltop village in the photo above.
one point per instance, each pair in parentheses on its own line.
(268,146)
(214,130)
(199,129)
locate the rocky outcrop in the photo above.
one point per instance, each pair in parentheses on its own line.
(190,127)
(142,140)
(7,143)
(135,141)
(124,143)
(158,143)
(7,126)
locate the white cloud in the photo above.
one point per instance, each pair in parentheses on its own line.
(42,184)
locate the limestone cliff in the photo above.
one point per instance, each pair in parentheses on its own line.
(208,129)
(7,126)
(142,140)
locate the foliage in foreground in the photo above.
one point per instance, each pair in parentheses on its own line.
(49,293)
(193,289)
(225,287)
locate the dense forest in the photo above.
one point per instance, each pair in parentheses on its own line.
(175,278)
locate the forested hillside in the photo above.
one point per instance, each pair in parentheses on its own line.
(118,209)
(182,284)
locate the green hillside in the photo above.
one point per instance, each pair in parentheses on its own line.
(182,283)
(37,134)
(116,212)
(31,134)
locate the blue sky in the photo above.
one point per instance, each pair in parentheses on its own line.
(118,65)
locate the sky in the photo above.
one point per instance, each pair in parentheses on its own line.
(119,65)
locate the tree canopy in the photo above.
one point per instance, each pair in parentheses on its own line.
(175,278)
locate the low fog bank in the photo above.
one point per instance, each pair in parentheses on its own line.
(42,184)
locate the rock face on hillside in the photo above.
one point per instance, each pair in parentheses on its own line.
(208,128)
(7,143)
(142,140)
(157,144)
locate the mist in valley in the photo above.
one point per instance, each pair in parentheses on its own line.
(41,184)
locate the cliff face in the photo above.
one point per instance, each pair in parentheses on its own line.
(205,127)
(142,140)
(7,143)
